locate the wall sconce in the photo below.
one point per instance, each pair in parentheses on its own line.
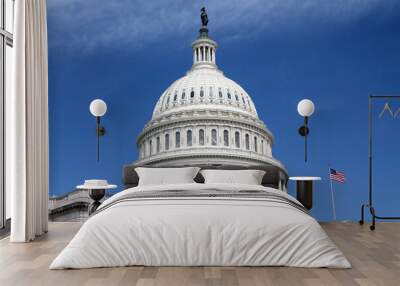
(98,108)
(305,108)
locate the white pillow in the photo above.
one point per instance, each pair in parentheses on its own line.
(166,176)
(248,177)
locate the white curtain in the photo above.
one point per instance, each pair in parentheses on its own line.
(27,123)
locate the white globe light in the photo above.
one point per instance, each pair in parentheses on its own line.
(98,107)
(305,107)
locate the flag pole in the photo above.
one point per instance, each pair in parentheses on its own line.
(332,197)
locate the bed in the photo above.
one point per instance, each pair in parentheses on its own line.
(198,224)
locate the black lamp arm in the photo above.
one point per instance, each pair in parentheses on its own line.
(304,131)
(100,131)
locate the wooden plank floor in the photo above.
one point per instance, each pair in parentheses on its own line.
(375,257)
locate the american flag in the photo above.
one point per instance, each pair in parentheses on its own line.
(337,176)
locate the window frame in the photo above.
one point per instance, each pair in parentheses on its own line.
(226,137)
(177,139)
(237,139)
(6,39)
(150,147)
(158,144)
(247,141)
(214,137)
(166,141)
(201,137)
(189,138)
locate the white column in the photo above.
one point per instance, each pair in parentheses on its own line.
(200,54)
(213,58)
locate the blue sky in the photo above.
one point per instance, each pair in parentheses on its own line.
(128,52)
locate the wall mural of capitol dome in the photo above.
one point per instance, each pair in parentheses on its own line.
(182,91)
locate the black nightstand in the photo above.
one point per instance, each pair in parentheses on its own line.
(96,190)
(305,186)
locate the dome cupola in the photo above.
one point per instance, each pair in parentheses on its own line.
(204,50)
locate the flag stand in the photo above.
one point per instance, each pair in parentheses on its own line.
(370,202)
(332,196)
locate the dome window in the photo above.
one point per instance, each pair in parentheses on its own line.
(201,137)
(211,92)
(192,94)
(189,138)
(248,102)
(167,100)
(262,146)
(183,94)
(236,97)
(201,92)
(244,102)
(247,137)
(175,97)
(214,137)
(237,139)
(158,144)
(151,146)
(229,95)
(255,144)
(177,139)
(226,138)
(220,93)
(166,141)
(142,150)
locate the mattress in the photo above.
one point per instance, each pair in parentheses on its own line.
(201,225)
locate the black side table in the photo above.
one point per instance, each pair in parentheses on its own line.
(96,190)
(96,195)
(305,186)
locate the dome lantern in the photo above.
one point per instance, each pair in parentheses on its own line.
(204,47)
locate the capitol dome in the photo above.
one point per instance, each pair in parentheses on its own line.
(205,118)
(208,87)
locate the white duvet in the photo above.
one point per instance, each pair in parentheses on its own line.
(200,231)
